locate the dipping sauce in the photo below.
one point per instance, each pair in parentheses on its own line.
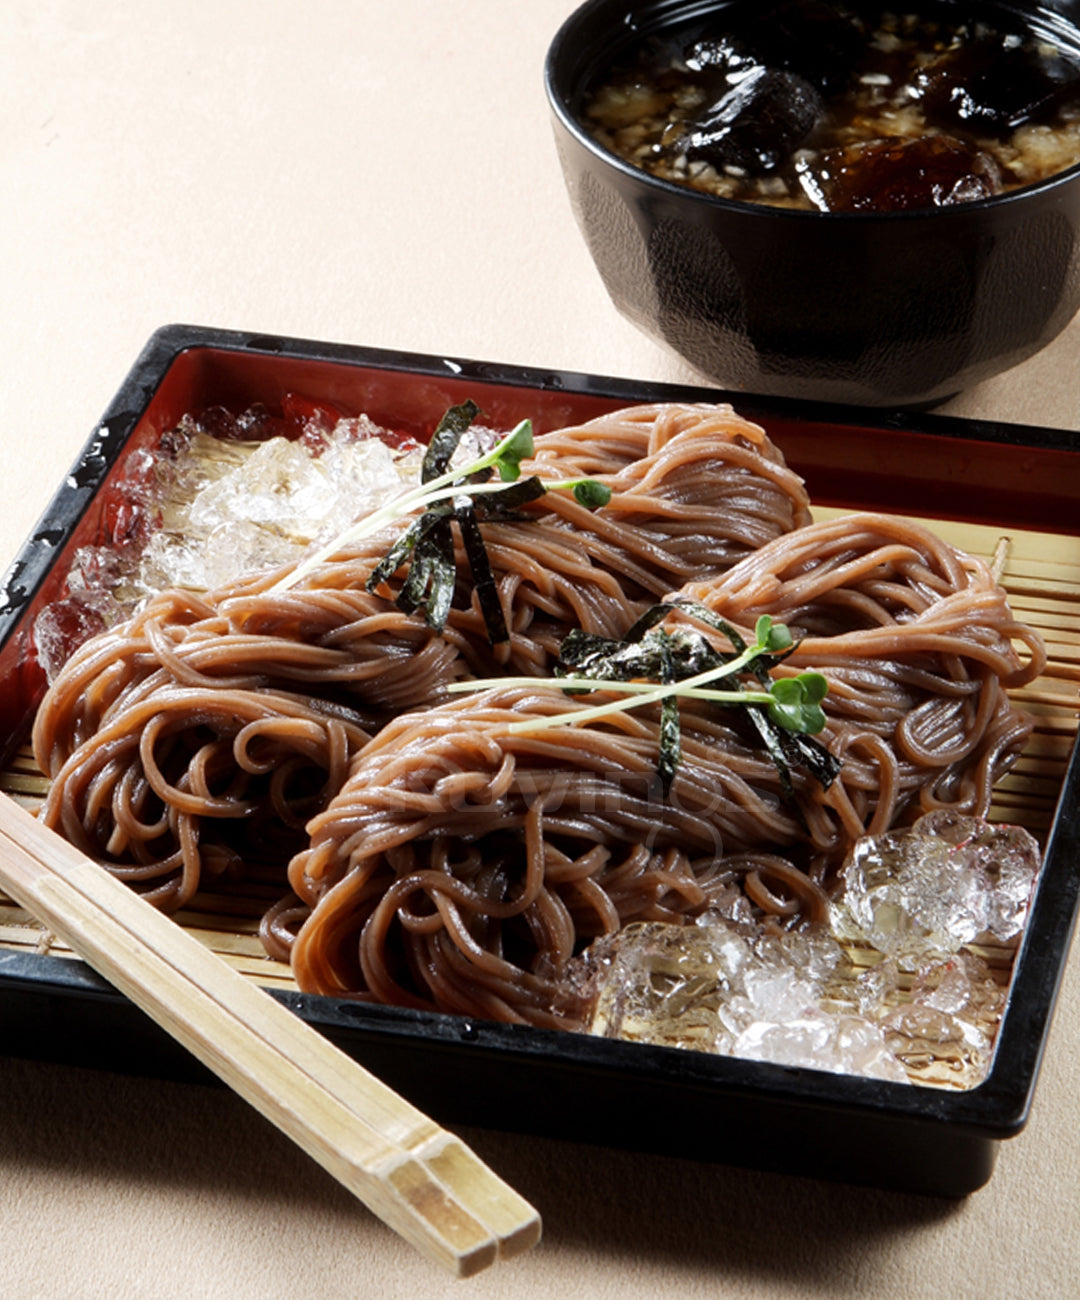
(824,107)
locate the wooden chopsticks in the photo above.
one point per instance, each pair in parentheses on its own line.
(422,1181)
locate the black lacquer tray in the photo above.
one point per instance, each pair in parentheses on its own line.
(622,1094)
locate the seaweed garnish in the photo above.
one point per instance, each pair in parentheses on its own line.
(787,746)
(467,496)
(427,545)
(784,711)
(487,593)
(445,439)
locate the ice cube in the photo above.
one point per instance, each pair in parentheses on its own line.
(994,83)
(877,986)
(895,175)
(174,560)
(718,54)
(755,125)
(1005,859)
(657,983)
(820,42)
(95,568)
(839,1044)
(734,988)
(279,483)
(243,546)
(64,625)
(935,1047)
(927,891)
(821,996)
(963,987)
(366,474)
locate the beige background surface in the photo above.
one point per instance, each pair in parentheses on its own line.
(381,172)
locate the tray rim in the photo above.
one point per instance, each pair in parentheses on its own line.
(997,1108)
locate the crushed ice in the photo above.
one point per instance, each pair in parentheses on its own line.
(215,508)
(268,508)
(891,988)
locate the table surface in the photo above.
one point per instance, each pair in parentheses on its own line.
(383,174)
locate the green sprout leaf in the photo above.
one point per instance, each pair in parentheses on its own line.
(513,450)
(770,636)
(591,494)
(796,703)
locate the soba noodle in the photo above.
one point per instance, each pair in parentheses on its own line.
(442,858)
(167,737)
(463,862)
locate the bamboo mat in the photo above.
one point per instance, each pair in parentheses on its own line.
(1041,573)
(227,922)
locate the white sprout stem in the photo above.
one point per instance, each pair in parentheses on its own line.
(604,684)
(487,489)
(461,490)
(563,484)
(402,505)
(639,692)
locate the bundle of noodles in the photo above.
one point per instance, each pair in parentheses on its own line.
(352,651)
(189,780)
(464,862)
(178,745)
(919,647)
(693,489)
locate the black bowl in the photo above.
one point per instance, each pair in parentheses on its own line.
(884,309)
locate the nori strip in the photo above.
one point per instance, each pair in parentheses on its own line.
(670,742)
(445,439)
(483,578)
(405,546)
(650,656)
(433,572)
(428,544)
(670,729)
(443,576)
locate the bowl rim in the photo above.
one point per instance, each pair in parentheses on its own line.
(564,39)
